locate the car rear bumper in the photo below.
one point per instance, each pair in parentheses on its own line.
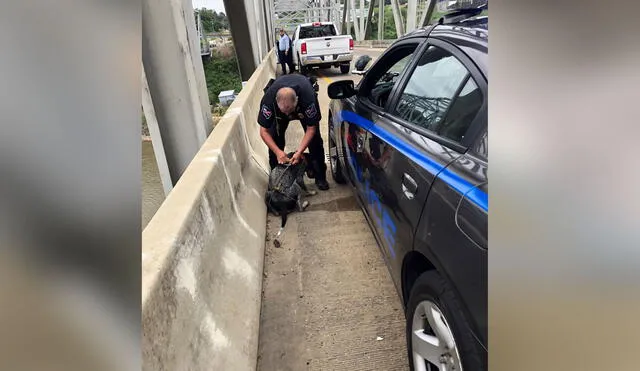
(326,59)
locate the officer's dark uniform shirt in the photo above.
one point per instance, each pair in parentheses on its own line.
(307,110)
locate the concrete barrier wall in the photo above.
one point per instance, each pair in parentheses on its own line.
(203,250)
(373,43)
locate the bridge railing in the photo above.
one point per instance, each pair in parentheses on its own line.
(373,43)
(203,251)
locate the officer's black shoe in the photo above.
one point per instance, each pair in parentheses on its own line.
(322,184)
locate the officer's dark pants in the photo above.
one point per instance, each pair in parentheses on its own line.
(316,148)
(290,61)
(284,61)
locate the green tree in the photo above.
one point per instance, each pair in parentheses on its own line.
(221,73)
(220,22)
(213,21)
(206,17)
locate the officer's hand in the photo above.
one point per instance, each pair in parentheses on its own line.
(283,158)
(297,157)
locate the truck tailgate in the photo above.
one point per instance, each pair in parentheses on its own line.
(321,46)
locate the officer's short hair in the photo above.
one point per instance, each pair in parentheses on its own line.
(282,94)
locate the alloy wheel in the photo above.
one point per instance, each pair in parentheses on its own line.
(432,342)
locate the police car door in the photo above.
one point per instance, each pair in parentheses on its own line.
(428,124)
(371,151)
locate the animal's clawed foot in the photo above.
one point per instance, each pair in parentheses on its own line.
(276,241)
(303,205)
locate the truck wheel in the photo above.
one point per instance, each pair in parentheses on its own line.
(438,334)
(344,68)
(334,161)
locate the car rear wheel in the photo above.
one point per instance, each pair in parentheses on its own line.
(334,162)
(438,335)
(344,68)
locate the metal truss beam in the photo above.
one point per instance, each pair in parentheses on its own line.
(372,4)
(412,10)
(381,20)
(288,14)
(397,17)
(428,12)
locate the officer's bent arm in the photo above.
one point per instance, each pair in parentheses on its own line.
(308,135)
(268,140)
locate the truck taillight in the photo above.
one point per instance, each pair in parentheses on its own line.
(303,48)
(350,44)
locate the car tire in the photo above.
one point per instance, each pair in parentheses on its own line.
(344,68)
(334,162)
(432,294)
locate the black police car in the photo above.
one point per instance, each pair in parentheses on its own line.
(411,139)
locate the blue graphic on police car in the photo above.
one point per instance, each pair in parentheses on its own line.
(379,213)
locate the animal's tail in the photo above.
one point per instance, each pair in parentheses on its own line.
(276,241)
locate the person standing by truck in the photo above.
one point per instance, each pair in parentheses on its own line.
(284,52)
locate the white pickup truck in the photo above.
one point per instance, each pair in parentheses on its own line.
(319,45)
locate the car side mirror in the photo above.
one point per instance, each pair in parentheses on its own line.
(341,89)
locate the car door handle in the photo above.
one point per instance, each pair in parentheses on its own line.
(409,186)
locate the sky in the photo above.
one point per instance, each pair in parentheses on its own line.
(216,5)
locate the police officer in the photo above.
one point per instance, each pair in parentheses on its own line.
(292,97)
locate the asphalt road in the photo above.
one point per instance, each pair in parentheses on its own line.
(328,299)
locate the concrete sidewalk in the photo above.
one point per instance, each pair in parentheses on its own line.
(327,294)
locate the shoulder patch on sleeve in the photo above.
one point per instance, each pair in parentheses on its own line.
(266,112)
(311,111)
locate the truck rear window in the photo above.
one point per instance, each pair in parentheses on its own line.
(308,32)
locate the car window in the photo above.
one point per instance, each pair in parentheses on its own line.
(464,109)
(440,95)
(482,146)
(384,75)
(308,32)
